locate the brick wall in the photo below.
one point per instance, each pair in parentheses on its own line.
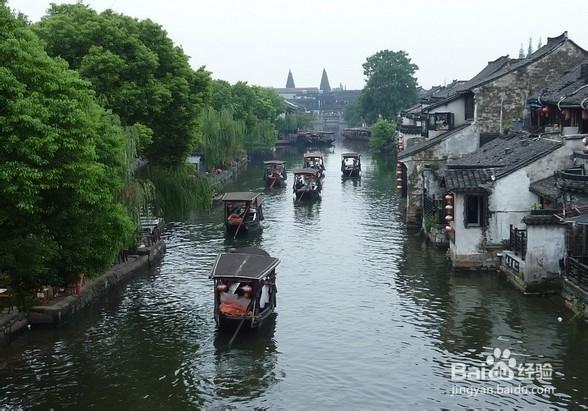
(516,87)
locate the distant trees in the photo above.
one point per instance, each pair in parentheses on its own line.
(241,117)
(352,114)
(382,135)
(62,161)
(390,85)
(292,122)
(136,71)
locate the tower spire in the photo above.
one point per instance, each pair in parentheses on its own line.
(325,86)
(290,81)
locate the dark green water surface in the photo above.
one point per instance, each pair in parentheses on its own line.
(368,317)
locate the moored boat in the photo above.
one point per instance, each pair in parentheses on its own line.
(244,287)
(356,133)
(243,212)
(350,165)
(307,184)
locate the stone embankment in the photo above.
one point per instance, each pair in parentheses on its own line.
(63,308)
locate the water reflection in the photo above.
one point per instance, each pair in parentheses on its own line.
(246,369)
(370,317)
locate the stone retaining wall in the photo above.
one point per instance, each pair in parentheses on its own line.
(64,308)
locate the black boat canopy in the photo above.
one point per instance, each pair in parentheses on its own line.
(243,266)
(350,155)
(312,171)
(278,162)
(313,155)
(241,196)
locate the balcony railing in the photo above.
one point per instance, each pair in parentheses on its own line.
(577,272)
(410,129)
(518,242)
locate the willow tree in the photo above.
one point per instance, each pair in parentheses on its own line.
(61,158)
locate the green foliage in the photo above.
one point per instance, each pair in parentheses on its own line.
(222,136)
(292,122)
(136,71)
(241,117)
(382,135)
(179,191)
(61,167)
(390,85)
(352,114)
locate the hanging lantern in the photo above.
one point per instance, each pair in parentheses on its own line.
(399,187)
(584,114)
(399,180)
(449,198)
(567,114)
(222,287)
(545,109)
(449,218)
(448,228)
(247,289)
(449,207)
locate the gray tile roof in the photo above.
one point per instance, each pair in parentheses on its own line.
(468,180)
(507,154)
(569,91)
(429,143)
(546,187)
(502,66)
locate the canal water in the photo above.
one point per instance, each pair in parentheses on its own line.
(368,317)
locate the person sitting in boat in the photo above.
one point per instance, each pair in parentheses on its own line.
(235,300)
(299,182)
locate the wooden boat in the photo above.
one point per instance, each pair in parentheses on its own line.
(350,164)
(274,173)
(316,138)
(244,287)
(243,212)
(307,184)
(315,160)
(356,133)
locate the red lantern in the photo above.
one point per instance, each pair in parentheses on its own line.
(448,198)
(399,187)
(222,287)
(449,207)
(449,218)
(567,114)
(448,228)
(247,289)
(399,180)
(545,109)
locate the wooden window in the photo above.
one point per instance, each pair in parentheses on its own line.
(475,211)
(469,107)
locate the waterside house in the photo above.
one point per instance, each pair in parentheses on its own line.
(490,193)
(474,112)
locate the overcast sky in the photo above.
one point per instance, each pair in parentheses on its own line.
(259,40)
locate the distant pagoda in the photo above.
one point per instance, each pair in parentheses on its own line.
(290,81)
(325,86)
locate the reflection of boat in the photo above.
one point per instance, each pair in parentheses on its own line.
(307,184)
(356,133)
(244,287)
(274,173)
(315,160)
(350,164)
(243,212)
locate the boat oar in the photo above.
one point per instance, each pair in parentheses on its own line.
(236,332)
(241,222)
